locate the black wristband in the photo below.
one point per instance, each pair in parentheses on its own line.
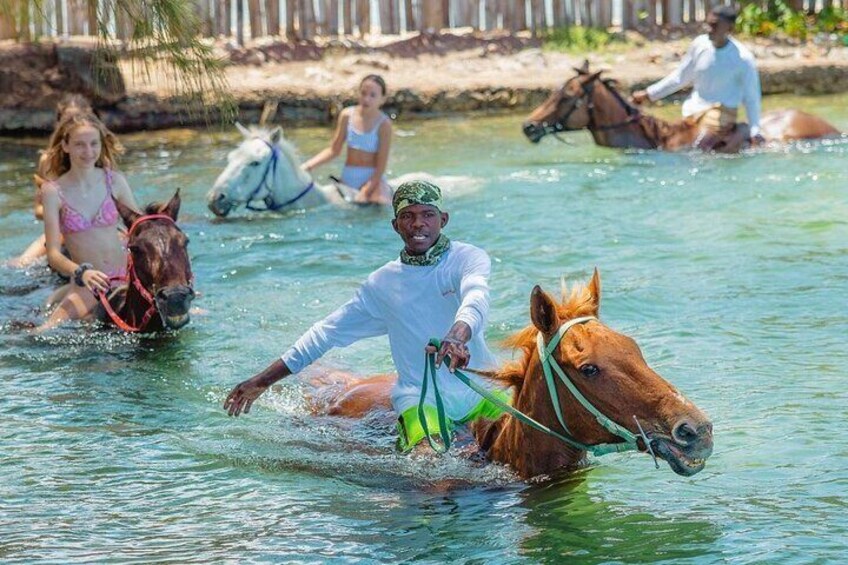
(83,267)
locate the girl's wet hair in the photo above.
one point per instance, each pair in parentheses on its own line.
(59,162)
(378,79)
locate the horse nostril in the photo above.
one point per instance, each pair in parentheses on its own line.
(685,433)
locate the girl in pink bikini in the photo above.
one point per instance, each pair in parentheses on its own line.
(368,133)
(78,207)
(69,104)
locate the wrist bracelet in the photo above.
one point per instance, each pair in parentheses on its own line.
(83,267)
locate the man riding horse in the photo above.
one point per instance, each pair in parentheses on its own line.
(435,286)
(724,76)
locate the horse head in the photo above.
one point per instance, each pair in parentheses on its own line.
(566,109)
(264,167)
(159,270)
(624,401)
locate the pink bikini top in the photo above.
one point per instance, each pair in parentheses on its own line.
(71,221)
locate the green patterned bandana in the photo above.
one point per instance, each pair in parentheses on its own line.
(417,192)
(431,257)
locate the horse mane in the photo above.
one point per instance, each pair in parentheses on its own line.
(656,129)
(575,303)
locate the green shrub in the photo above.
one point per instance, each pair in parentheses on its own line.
(779,17)
(578,39)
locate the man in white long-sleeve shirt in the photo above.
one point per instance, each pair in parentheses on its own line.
(724,77)
(436,287)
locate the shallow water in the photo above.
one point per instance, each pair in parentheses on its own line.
(731,273)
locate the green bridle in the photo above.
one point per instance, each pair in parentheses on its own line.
(549,367)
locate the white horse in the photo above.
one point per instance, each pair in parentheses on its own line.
(264,173)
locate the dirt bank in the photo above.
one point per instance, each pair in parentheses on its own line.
(426,75)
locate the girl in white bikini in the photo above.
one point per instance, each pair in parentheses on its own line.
(368,133)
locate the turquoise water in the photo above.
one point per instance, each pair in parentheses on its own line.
(731,273)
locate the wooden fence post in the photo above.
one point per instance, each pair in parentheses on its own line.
(628,14)
(432,16)
(272,17)
(333,17)
(306,19)
(254,19)
(291,18)
(605,14)
(363,16)
(347,17)
(410,15)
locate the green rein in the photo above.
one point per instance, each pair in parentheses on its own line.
(550,367)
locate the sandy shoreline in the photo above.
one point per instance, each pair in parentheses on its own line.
(430,75)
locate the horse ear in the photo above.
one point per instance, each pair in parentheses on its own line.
(172,208)
(583,69)
(276,135)
(593,77)
(127,214)
(244,131)
(595,291)
(543,311)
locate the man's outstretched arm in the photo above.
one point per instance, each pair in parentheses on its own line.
(241,398)
(350,323)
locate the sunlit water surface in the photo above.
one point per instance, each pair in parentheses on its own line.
(731,273)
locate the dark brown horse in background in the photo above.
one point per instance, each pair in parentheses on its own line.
(587,101)
(158,290)
(608,370)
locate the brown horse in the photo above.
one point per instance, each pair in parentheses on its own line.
(158,290)
(608,370)
(587,101)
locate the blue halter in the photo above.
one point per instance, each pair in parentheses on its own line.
(268,177)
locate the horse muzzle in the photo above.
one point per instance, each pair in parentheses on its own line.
(687,449)
(173,304)
(534,131)
(219,204)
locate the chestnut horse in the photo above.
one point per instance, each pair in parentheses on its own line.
(587,101)
(158,290)
(606,397)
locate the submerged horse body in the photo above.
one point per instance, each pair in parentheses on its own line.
(606,369)
(586,101)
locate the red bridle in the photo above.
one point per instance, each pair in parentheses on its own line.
(132,279)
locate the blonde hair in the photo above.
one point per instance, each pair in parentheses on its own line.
(58,162)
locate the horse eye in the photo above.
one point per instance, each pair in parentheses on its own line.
(590,370)
(254,163)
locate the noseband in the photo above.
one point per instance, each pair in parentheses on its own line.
(266,182)
(132,280)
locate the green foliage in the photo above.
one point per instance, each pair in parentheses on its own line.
(165,39)
(779,17)
(578,39)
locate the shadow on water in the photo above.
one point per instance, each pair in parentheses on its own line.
(572,523)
